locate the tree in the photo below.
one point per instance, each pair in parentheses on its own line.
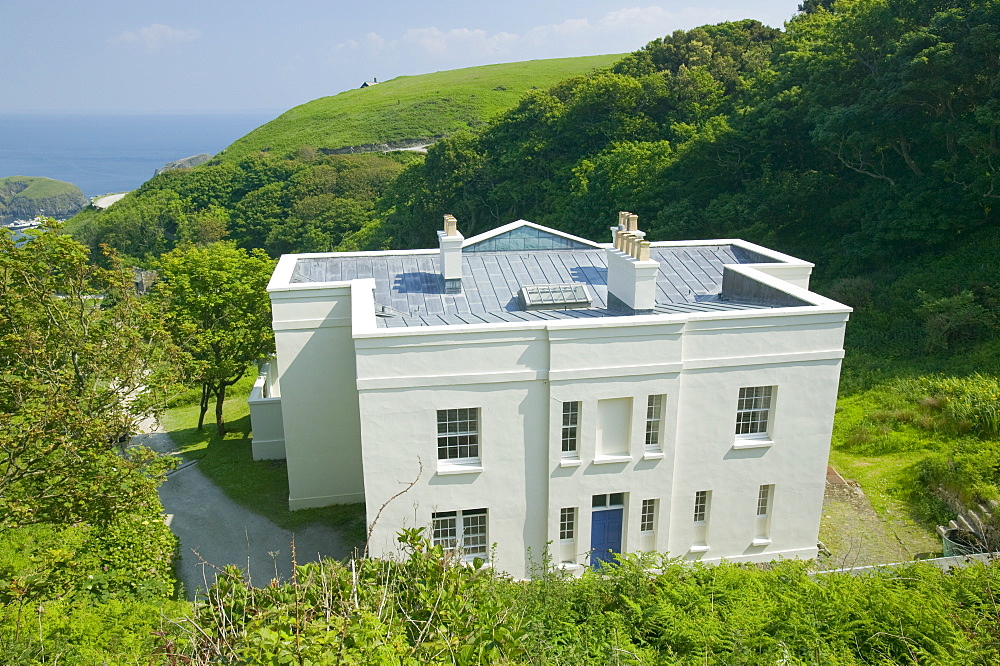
(216,308)
(82,360)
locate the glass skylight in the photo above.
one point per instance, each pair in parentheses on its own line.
(554,296)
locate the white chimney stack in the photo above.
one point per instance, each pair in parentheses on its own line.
(451,241)
(631,273)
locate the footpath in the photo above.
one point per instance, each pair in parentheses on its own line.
(214,531)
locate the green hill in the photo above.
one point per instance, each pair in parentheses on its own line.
(282,188)
(410,107)
(24,197)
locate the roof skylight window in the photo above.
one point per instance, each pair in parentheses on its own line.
(571,296)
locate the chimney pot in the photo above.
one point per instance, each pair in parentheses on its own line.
(643,251)
(633,222)
(626,238)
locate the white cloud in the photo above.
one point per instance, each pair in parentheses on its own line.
(618,31)
(155,36)
(374,41)
(461,40)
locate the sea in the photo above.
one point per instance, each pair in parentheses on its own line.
(103,154)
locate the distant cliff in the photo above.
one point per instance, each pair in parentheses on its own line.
(186,163)
(24,197)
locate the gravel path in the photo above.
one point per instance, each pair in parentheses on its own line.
(215,531)
(857,535)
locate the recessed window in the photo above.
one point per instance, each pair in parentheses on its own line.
(700,506)
(764,500)
(461,531)
(654,423)
(614,427)
(458,434)
(753,410)
(570,429)
(647,518)
(567,523)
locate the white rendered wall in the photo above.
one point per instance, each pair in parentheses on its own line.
(404,380)
(519,378)
(265,414)
(344,381)
(315,363)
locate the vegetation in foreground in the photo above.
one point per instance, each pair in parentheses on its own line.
(85,557)
(426,609)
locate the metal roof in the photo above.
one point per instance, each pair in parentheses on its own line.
(409,290)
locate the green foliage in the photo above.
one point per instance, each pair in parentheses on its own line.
(85,557)
(827,141)
(215,305)
(954,318)
(137,226)
(953,421)
(293,184)
(82,361)
(428,609)
(536,160)
(963,404)
(71,631)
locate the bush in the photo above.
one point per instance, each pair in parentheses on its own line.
(428,609)
(953,318)
(75,631)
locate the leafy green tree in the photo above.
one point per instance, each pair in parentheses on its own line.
(82,362)
(136,227)
(217,309)
(204,227)
(258,211)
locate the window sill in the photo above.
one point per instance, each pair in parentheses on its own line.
(570,462)
(760,542)
(455,468)
(753,442)
(698,548)
(652,455)
(610,460)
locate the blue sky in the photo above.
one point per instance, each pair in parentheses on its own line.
(107,56)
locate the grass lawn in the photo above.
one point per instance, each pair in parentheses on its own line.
(261,486)
(411,107)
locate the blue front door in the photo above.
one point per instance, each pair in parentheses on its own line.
(605,536)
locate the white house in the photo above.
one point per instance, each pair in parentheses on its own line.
(540,390)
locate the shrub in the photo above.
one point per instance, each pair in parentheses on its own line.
(953,318)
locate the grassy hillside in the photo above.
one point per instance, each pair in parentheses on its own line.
(23,197)
(279,188)
(410,107)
